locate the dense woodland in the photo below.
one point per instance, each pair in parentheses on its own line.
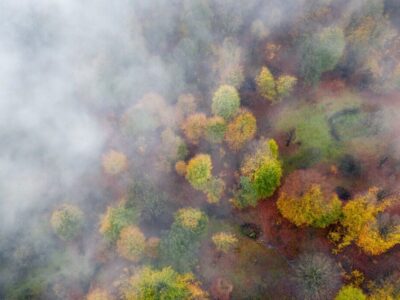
(251,150)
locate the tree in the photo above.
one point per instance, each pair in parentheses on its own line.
(266,84)
(316,276)
(349,292)
(215,130)
(224,241)
(304,201)
(263,168)
(225,102)
(274,89)
(245,195)
(198,171)
(214,189)
(173,146)
(98,294)
(358,214)
(115,219)
(320,52)
(163,284)
(241,130)
(131,243)
(67,221)
(180,167)
(114,162)
(179,248)
(186,105)
(194,127)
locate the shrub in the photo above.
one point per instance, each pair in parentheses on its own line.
(67,221)
(115,219)
(225,102)
(131,243)
(304,201)
(215,130)
(241,130)
(224,241)
(316,276)
(349,292)
(98,294)
(162,284)
(194,127)
(198,171)
(114,162)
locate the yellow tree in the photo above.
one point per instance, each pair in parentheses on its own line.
(114,162)
(241,130)
(131,244)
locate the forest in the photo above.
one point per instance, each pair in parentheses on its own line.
(200,149)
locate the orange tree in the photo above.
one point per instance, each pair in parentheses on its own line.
(241,130)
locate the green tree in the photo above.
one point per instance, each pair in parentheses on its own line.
(215,130)
(225,102)
(198,171)
(179,248)
(266,84)
(67,221)
(164,284)
(320,52)
(115,219)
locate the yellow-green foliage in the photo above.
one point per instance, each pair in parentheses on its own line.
(358,214)
(131,243)
(386,290)
(198,171)
(349,292)
(241,130)
(274,89)
(114,162)
(98,294)
(66,221)
(163,284)
(311,209)
(215,130)
(191,219)
(266,84)
(194,127)
(115,219)
(214,189)
(225,102)
(224,241)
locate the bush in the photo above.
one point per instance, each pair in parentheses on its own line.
(115,219)
(349,292)
(215,130)
(114,162)
(194,127)
(162,284)
(241,130)
(316,276)
(67,221)
(224,241)
(225,102)
(131,243)
(198,171)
